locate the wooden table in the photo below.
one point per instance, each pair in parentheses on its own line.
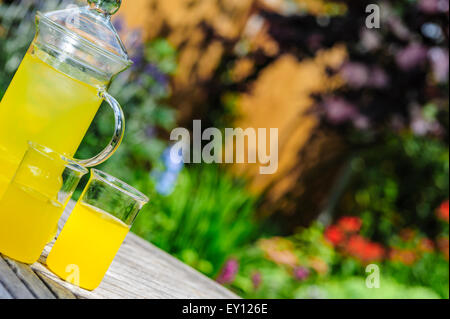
(140,270)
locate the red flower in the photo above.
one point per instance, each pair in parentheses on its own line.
(443,246)
(350,224)
(407,234)
(356,245)
(407,257)
(442,212)
(364,250)
(426,245)
(334,235)
(373,252)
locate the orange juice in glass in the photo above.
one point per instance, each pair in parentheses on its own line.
(95,230)
(34,200)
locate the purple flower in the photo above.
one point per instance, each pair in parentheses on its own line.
(301,273)
(397,123)
(398,27)
(355,74)
(150,131)
(119,24)
(378,78)
(229,271)
(414,55)
(314,41)
(361,122)
(439,59)
(433,6)
(256,279)
(156,74)
(339,110)
(137,58)
(422,126)
(370,40)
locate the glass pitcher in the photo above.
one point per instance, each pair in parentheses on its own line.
(61,83)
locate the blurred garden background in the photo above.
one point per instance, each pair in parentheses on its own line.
(363,125)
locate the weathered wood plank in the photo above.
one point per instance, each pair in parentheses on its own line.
(12,283)
(59,291)
(4,294)
(141,270)
(30,279)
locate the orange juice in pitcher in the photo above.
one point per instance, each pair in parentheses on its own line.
(60,85)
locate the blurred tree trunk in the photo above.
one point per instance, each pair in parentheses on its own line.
(277,91)
(202,31)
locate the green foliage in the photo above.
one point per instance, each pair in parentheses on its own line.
(431,270)
(161,52)
(398,184)
(275,261)
(207,217)
(355,288)
(331,274)
(17,29)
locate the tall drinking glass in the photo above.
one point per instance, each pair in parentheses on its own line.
(34,201)
(95,230)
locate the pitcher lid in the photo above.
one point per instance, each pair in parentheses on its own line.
(92,23)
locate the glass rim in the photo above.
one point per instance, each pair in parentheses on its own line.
(70,163)
(116,58)
(120,185)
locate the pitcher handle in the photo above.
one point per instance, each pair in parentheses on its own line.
(117,138)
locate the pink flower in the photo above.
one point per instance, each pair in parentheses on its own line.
(433,6)
(228,272)
(301,273)
(378,78)
(355,74)
(413,56)
(339,110)
(256,279)
(439,63)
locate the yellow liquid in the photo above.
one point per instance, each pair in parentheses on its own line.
(27,220)
(45,106)
(86,246)
(8,166)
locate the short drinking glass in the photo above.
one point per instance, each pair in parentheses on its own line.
(33,202)
(95,230)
